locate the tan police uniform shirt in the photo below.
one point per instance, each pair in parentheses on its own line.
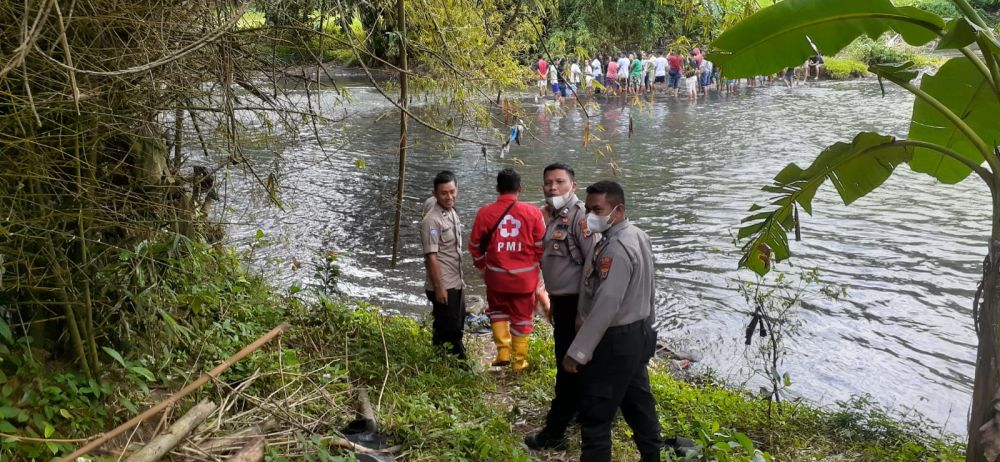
(441,233)
(567,244)
(617,287)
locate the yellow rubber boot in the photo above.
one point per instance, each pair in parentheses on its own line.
(501,337)
(520,344)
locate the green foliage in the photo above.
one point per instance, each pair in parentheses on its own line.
(37,403)
(842,69)
(855,169)
(783,35)
(875,51)
(974,99)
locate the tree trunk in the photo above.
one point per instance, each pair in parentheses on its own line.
(403,100)
(984,420)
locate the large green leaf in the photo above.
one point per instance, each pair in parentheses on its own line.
(965,91)
(778,36)
(855,169)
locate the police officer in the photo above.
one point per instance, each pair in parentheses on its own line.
(567,243)
(615,340)
(441,236)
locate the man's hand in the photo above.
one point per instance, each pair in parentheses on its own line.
(570,365)
(441,296)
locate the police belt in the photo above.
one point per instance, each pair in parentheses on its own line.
(627,328)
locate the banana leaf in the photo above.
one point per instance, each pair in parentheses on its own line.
(789,32)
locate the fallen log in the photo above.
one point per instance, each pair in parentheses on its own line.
(252,452)
(163,443)
(222,443)
(177,396)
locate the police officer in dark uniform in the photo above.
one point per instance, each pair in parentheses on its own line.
(615,340)
(567,245)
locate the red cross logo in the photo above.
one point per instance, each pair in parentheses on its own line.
(510,226)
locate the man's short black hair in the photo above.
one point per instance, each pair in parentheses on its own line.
(611,189)
(444,177)
(560,166)
(508,181)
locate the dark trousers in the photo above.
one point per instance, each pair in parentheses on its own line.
(448,322)
(616,378)
(567,394)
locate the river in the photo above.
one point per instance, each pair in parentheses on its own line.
(907,255)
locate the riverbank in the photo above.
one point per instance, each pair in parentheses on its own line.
(431,407)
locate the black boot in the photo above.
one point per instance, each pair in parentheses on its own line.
(542,440)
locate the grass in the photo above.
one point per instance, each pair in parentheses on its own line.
(429,404)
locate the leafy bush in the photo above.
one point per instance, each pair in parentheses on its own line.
(844,68)
(870,52)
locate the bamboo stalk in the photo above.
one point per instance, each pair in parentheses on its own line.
(162,444)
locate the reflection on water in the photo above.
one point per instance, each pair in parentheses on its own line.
(907,255)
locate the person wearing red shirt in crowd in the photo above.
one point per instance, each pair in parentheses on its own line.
(543,76)
(506,244)
(676,62)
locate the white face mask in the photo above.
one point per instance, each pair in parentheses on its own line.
(598,223)
(558,202)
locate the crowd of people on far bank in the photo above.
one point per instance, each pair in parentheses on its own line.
(640,72)
(581,264)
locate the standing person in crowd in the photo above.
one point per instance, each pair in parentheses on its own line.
(635,74)
(575,74)
(595,65)
(564,78)
(649,69)
(789,76)
(705,72)
(568,243)
(676,71)
(623,71)
(441,236)
(588,77)
(506,244)
(813,66)
(616,340)
(543,76)
(691,84)
(611,80)
(660,66)
(554,80)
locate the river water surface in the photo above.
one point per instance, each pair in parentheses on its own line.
(908,255)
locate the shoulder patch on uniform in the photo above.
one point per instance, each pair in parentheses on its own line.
(605,266)
(584,228)
(435,233)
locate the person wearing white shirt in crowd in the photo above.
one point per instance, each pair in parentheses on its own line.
(574,76)
(660,69)
(623,70)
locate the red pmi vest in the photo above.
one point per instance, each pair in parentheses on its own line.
(515,246)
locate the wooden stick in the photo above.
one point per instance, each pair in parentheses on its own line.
(365,410)
(252,452)
(232,439)
(162,444)
(214,373)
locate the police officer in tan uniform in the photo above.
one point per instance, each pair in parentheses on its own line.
(567,245)
(615,340)
(441,236)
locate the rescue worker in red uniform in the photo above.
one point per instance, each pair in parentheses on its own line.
(506,244)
